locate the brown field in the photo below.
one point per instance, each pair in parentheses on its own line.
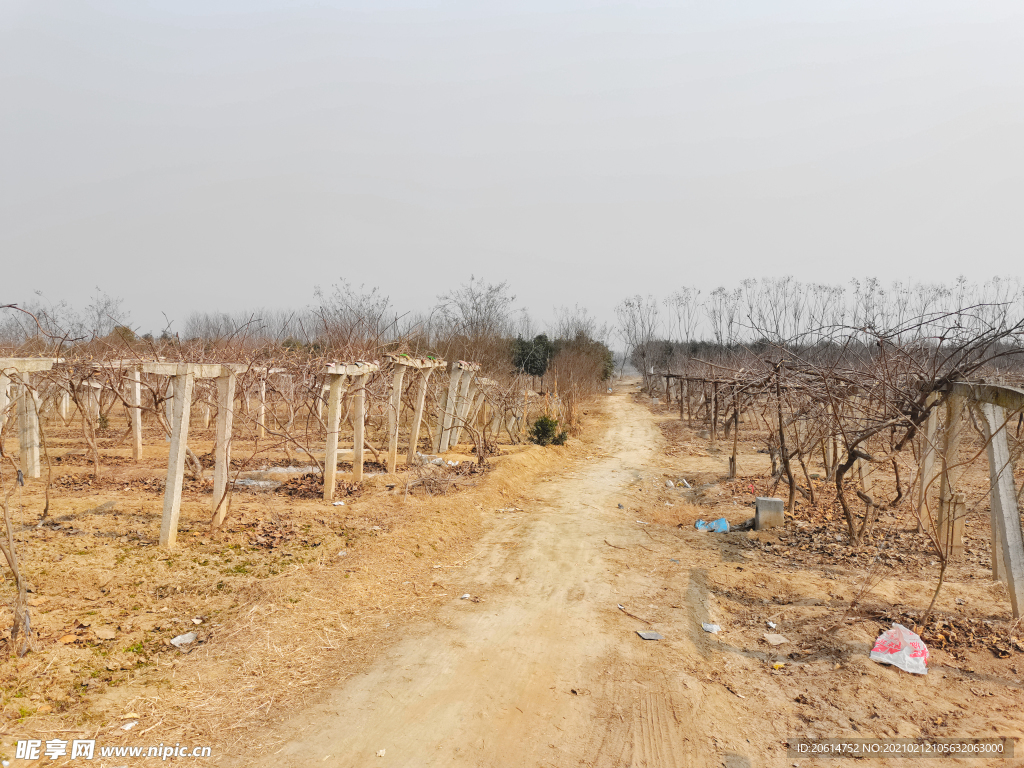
(302,608)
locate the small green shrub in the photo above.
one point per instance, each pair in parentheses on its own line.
(545,432)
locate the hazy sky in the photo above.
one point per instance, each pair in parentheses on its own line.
(222,155)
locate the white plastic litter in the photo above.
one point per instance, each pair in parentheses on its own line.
(465,596)
(683,481)
(338,504)
(772,625)
(901,648)
(129,726)
(182,640)
(714,629)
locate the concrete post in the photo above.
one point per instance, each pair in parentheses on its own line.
(337,386)
(417,416)
(222,446)
(951,471)
(358,425)
(447,411)
(28,430)
(951,528)
(5,398)
(927,462)
(64,406)
(1005,515)
(466,397)
(135,387)
(169,406)
(394,411)
(261,409)
(183,385)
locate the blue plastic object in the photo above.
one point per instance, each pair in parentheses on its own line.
(721,525)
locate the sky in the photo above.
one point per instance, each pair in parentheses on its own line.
(216,155)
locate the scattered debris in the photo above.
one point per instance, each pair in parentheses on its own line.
(128,726)
(714,629)
(649,635)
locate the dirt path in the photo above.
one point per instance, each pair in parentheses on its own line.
(545,669)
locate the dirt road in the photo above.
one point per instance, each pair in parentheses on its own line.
(544,669)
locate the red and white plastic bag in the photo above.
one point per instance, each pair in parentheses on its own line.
(901,648)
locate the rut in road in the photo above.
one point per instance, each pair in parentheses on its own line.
(545,670)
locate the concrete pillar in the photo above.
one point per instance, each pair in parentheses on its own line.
(320,399)
(135,391)
(183,386)
(222,447)
(466,397)
(447,410)
(951,471)
(417,416)
(5,398)
(1007,536)
(64,405)
(394,411)
(169,406)
(336,384)
(951,528)
(28,429)
(358,424)
(927,462)
(261,409)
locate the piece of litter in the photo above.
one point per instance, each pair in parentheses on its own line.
(648,635)
(186,639)
(778,666)
(714,629)
(772,625)
(129,726)
(672,559)
(338,504)
(683,481)
(465,596)
(773,639)
(197,621)
(669,484)
(380,753)
(901,648)
(621,507)
(642,522)
(721,525)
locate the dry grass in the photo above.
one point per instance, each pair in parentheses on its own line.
(293,594)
